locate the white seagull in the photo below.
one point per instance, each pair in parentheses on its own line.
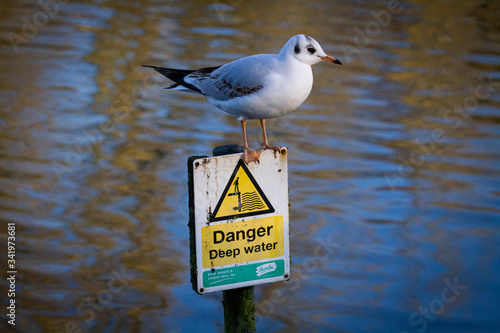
(261,86)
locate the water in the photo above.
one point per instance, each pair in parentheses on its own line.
(394,164)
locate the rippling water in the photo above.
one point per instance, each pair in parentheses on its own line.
(394,163)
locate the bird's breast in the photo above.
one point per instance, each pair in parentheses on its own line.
(292,88)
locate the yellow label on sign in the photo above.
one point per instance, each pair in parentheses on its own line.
(237,242)
(241,197)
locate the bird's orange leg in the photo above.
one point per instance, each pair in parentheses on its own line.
(266,144)
(249,155)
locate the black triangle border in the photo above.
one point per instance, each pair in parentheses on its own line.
(239,165)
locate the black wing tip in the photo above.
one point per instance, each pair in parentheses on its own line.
(176,75)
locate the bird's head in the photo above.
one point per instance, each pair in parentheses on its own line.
(307,50)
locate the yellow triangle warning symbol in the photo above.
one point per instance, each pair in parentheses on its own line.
(242,197)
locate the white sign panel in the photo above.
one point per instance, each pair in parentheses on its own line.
(241,230)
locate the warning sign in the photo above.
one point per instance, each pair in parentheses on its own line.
(241,197)
(239,228)
(232,243)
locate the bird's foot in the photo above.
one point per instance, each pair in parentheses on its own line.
(250,155)
(276,149)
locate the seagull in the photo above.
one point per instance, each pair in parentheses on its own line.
(260,86)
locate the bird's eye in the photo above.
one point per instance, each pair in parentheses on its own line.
(311,49)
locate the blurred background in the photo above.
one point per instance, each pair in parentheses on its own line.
(394,163)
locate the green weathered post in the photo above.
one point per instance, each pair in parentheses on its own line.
(239,310)
(240,241)
(239,304)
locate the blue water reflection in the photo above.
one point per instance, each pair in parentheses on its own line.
(393,166)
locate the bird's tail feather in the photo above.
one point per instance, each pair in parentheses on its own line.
(176,75)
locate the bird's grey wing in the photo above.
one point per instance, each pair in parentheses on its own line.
(239,78)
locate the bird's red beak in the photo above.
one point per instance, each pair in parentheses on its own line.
(331,59)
